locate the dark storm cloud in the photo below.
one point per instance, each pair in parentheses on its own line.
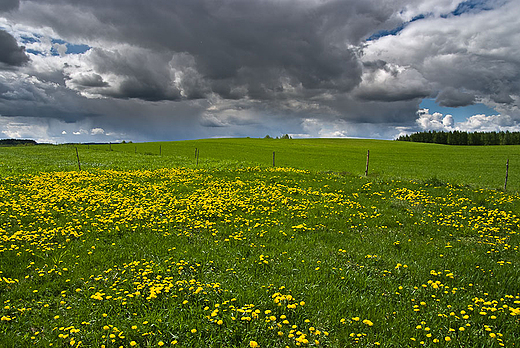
(454,98)
(90,80)
(240,48)
(502,98)
(390,83)
(8,5)
(10,53)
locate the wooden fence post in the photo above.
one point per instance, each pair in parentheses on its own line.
(368,158)
(110,146)
(159,150)
(197,157)
(507,173)
(273,158)
(77,156)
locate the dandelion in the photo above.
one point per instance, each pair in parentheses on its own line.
(253,344)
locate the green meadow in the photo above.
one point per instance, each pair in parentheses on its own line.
(482,166)
(145,247)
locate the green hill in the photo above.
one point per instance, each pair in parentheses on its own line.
(462,165)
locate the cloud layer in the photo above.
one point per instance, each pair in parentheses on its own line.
(10,53)
(188,69)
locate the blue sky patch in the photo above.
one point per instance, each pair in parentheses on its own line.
(71,48)
(77,49)
(459,114)
(471,6)
(28,40)
(31,51)
(395,30)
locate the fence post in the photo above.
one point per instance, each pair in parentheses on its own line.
(507,173)
(159,150)
(77,156)
(197,157)
(368,158)
(273,158)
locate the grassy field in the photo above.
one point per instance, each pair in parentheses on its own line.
(482,166)
(141,250)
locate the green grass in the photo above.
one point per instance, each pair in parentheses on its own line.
(480,166)
(157,250)
(476,166)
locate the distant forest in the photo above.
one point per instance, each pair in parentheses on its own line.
(14,142)
(464,138)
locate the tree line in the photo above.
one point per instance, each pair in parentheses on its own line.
(15,142)
(464,138)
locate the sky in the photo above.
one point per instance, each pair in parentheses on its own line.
(158,70)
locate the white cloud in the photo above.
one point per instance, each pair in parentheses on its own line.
(60,48)
(19,130)
(48,130)
(338,128)
(433,7)
(447,121)
(435,121)
(473,55)
(475,123)
(483,123)
(80,132)
(97,131)
(392,82)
